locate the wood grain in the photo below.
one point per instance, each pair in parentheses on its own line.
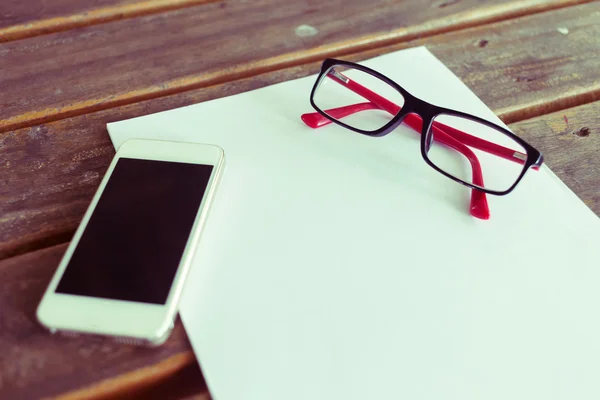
(35,364)
(92,68)
(50,171)
(527,65)
(571,142)
(20,19)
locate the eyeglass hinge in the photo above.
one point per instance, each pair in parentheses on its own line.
(337,75)
(520,156)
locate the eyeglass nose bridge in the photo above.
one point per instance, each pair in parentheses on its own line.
(418,112)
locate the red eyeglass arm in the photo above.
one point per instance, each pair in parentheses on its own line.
(478,207)
(411,120)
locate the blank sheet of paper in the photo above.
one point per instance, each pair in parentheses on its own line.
(339,266)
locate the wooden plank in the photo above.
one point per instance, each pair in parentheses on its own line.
(20,19)
(175,377)
(21,12)
(59,75)
(571,142)
(35,364)
(50,171)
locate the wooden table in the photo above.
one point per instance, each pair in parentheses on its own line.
(68,67)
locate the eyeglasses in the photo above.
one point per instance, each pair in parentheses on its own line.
(365,101)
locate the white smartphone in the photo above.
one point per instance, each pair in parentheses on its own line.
(124,270)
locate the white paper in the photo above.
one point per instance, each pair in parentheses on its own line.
(339,266)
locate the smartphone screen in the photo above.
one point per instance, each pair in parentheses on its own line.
(132,245)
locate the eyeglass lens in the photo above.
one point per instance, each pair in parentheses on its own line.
(339,95)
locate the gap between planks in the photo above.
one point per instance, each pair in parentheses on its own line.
(398,38)
(133,380)
(570,99)
(94,17)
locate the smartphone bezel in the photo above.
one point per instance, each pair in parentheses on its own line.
(138,322)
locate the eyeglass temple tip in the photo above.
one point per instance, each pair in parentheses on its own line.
(314,120)
(479,205)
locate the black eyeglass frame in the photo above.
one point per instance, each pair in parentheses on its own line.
(428,112)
